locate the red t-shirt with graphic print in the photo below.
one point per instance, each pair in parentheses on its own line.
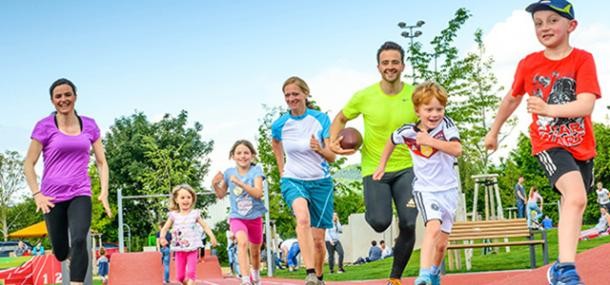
(559,82)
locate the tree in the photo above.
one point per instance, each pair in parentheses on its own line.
(151,158)
(11,180)
(23,214)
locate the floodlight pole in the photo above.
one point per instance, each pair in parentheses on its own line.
(411,35)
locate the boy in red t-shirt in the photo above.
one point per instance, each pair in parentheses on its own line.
(562,84)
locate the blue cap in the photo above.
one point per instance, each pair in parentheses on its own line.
(561,7)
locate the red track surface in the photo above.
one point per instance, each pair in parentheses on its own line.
(593,266)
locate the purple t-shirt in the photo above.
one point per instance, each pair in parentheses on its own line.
(65,158)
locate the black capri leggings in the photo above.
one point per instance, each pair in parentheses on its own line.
(73,216)
(394,187)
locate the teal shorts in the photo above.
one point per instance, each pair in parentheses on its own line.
(319,196)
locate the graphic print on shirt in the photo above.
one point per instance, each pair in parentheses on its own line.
(564,131)
(179,240)
(423,150)
(243,200)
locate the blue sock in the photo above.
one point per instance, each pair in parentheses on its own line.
(436,270)
(425,271)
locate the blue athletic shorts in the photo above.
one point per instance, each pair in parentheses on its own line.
(319,196)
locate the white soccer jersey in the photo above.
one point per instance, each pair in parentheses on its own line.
(295,133)
(433,168)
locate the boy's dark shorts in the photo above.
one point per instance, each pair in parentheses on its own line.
(557,161)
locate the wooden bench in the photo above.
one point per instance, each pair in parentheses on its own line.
(497,233)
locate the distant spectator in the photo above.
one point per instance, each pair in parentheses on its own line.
(289,251)
(374,254)
(520,197)
(22,249)
(232,254)
(165,252)
(604,220)
(333,244)
(603,196)
(386,251)
(547,223)
(600,229)
(38,250)
(102,265)
(291,257)
(532,206)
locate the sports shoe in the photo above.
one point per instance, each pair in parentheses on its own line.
(424,279)
(311,279)
(341,270)
(394,281)
(557,276)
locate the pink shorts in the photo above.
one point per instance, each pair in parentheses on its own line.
(252,228)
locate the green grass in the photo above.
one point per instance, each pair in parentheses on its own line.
(517,258)
(8,262)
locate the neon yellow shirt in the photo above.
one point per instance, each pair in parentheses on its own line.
(382,115)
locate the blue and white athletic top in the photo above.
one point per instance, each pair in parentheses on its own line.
(295,133)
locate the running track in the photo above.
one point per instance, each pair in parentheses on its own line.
(593,266)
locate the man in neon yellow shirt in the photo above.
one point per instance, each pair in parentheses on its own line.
(385,106)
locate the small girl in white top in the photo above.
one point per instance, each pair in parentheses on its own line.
(186,235)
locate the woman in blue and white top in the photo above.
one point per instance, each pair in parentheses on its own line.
(300,143)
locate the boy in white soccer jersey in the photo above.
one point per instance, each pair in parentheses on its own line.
(434,142)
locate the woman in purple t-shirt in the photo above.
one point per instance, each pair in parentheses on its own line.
(64,196)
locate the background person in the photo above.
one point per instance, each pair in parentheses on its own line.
(520,197)
(534,211)
(333,244)
(165,252)
(603,196)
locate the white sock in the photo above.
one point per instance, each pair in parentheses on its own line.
(256,275)
(245,279)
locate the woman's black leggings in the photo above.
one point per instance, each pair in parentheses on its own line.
(73,216)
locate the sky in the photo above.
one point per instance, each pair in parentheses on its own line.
(223,60)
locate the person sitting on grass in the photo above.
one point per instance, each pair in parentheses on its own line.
(374,254)
(386,251)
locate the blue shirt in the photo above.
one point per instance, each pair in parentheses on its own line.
(294,132)
(374,253)
(547,223)
(243,205)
